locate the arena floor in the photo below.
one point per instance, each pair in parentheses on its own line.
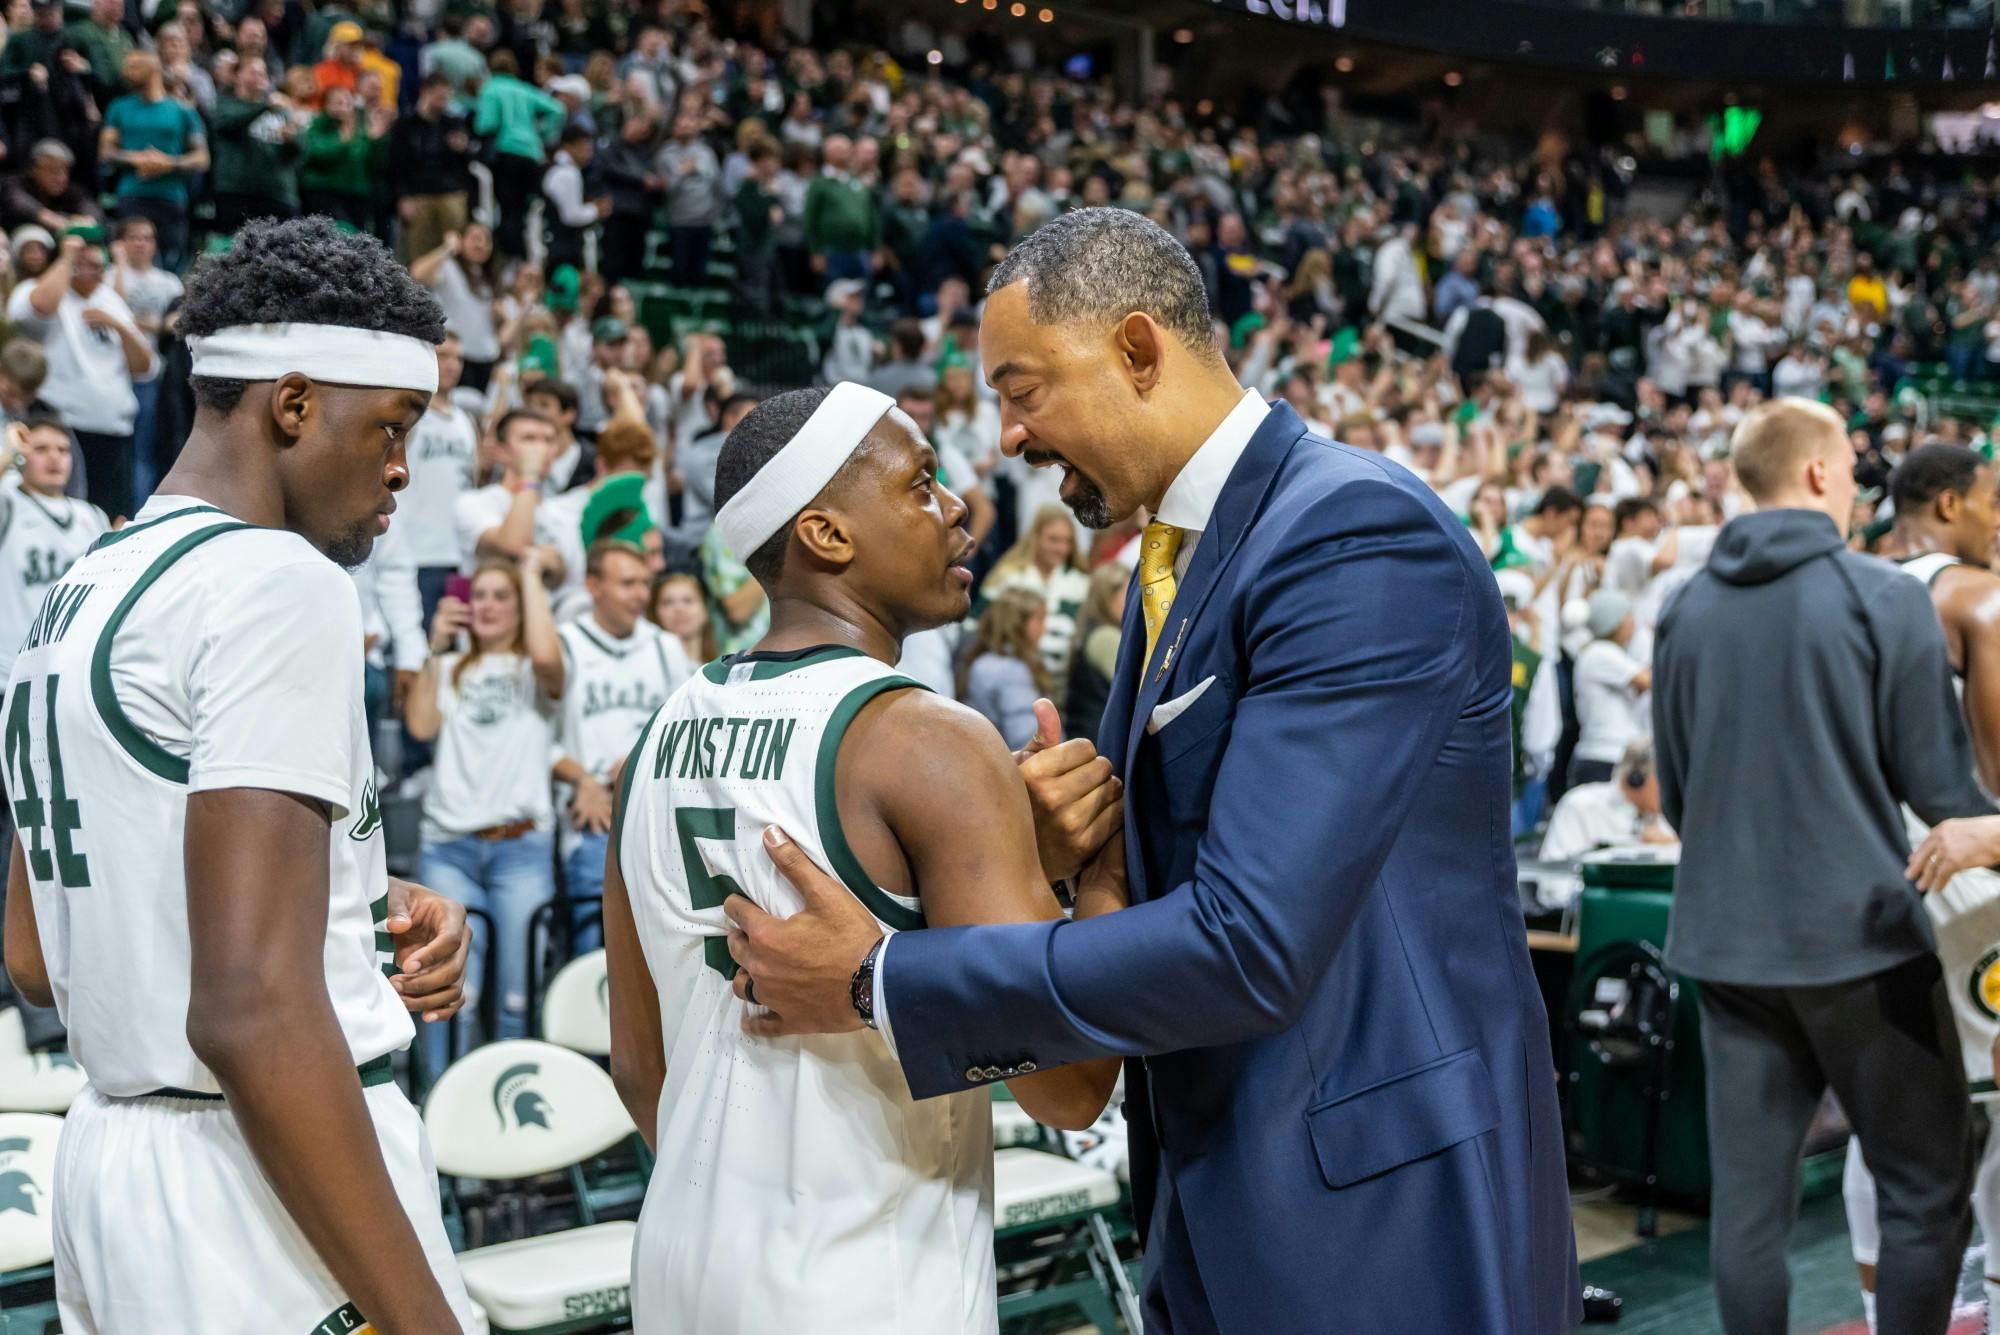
(1665,1282)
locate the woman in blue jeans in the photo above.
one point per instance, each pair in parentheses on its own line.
(491,708)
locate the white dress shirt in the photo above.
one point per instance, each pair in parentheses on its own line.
(1188,504)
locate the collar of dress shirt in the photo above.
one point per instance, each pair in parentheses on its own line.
(1192,495)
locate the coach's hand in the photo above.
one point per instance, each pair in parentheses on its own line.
(433,943)
(1077,800)
(799,967)
(1951,847)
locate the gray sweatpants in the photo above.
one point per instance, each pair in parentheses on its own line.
(1887,1047)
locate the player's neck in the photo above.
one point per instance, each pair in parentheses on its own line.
(799,624)
(207,472)
(1907,540)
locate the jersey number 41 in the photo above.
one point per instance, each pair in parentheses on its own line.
(31,814)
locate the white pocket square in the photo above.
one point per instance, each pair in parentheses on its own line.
(1167,711)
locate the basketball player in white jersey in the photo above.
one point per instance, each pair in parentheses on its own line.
(198,875)
(621,668)
(799,1186)
(1946,524)
(42,531)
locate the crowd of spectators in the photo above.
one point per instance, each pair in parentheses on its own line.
(1563,366)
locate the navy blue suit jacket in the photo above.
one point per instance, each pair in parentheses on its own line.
(1347,1078)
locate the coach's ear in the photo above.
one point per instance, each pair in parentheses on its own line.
(826,537)
(293,398)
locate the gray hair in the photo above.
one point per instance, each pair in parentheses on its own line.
(1103,264)
(52,148)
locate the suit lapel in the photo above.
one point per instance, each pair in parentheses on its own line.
(1241,496)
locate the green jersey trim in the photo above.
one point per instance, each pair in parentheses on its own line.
(624,796)
(120,534)
(149,753)
(845,865)
(767,665)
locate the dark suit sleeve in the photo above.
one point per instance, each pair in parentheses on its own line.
(1359,661)
(1669,725)
(1929,757)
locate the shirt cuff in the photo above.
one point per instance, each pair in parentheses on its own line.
(882,994)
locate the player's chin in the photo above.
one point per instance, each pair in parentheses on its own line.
(351,547)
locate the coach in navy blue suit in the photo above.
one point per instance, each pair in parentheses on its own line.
(1343,1114)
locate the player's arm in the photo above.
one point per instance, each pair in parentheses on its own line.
(271,716)
(259,1017)
(26,968)
(638,1048)
(1979,625)
(981,870)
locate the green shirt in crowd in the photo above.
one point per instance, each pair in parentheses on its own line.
(517,117)
(251,155)
(166,125)
(841,214)
(105,49)
(342,166)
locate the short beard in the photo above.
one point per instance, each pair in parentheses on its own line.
(351,549)
(1089,505)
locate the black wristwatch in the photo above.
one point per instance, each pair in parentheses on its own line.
(861,989)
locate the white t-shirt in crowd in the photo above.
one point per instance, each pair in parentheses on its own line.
(492,764)
(441,452)
(1607,707)
(1628,567)
(467,314)
(1589,817)
(485,508)
(89,382)
(149,292)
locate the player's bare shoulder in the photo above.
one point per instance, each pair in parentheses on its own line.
(924,745)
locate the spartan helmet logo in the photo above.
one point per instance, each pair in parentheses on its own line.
(371,815)
(18,1191)
(512,1090)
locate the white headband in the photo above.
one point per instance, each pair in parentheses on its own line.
(330,353)
(796,474)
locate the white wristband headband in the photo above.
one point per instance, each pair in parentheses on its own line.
(329,353)
(798,472)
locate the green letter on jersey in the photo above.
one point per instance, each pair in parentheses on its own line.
(706,891)
(31,816)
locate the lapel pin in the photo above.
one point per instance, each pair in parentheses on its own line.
(1168,661)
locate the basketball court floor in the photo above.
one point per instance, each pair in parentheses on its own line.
(1665,1284)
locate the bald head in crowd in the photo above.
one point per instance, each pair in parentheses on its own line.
(1794,454)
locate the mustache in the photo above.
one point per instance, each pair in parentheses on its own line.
(1040,458)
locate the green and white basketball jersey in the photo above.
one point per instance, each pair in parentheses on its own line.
(187,652)
(40,538)
(1965,915)
(799,1186)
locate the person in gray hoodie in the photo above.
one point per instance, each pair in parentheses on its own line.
(1801,697)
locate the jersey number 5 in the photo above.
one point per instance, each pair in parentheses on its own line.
(31,815)
(706,891)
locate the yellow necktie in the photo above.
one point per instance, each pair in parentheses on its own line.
(1158,546)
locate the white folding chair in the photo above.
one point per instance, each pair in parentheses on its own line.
(27,1237)
(34,1082)
(576,1011)
(1051,1219)
(518,1109)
